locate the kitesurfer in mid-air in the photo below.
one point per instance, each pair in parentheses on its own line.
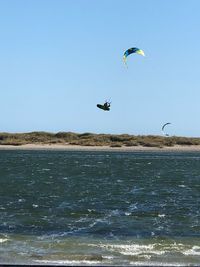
(105,106)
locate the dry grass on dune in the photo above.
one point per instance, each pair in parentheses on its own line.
(90,139)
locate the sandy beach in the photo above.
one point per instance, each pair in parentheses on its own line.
(192,148)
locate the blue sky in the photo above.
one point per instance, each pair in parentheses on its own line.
(59,58)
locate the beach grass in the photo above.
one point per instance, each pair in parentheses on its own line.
(91,139)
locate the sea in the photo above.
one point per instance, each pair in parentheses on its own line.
(99,208)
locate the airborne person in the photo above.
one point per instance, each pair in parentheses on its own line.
(105,106)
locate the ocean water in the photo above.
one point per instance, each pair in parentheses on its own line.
(99,208)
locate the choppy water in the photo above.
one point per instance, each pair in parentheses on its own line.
(99,208)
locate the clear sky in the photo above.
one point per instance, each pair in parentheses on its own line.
(59,58)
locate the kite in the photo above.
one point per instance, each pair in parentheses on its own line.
(163,127)
(131,51)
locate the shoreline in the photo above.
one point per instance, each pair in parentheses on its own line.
(66,147)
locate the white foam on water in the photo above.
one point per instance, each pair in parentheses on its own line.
(132,250)
(2,240)
(161,215)
(48,182)
(133,206)
(108,257)
(35,206)
(68,262)
(147,263)
(194,251)
(150,250)
(181,185)
(21,200)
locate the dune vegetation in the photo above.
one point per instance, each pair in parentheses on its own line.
(91,139)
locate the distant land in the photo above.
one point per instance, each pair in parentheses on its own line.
(96,140)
